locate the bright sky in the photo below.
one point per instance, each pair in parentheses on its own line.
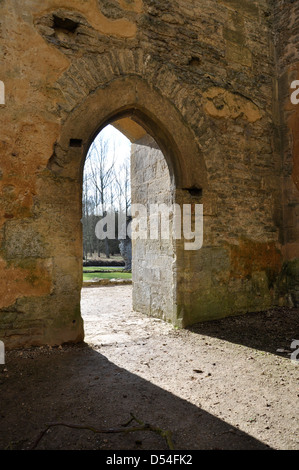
(115,139)
(122,144)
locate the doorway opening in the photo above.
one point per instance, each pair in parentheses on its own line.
(125,168)
(106,191)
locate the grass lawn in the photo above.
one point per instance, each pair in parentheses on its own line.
(116,274)
(102,268)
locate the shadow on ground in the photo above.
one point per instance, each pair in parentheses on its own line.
(78,385)
(266,331)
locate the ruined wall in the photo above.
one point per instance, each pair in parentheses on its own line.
(286,43)
(200,76)
(154,289)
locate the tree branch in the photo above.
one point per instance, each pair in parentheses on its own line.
(167,435)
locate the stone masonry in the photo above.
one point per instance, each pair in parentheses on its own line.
(209,81)
(153,260)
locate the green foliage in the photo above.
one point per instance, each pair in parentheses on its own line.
(116,274)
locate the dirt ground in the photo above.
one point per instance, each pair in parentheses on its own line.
(217,385)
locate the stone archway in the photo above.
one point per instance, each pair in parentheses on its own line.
(69,70)
(46,266)
(124,100)
(130,97)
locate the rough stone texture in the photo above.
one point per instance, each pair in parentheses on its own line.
(286,41)
(153,259)
(211,85)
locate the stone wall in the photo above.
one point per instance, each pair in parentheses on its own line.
(154,289)
(286,42)
(201,77)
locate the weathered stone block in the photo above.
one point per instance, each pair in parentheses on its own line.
(210,83)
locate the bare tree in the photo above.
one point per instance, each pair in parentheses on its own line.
(87,210)
(106,186)
(123,186)
(102,176)
(123,190)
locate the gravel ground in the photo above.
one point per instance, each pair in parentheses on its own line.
(217,385)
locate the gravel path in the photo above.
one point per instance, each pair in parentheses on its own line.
(219,385)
